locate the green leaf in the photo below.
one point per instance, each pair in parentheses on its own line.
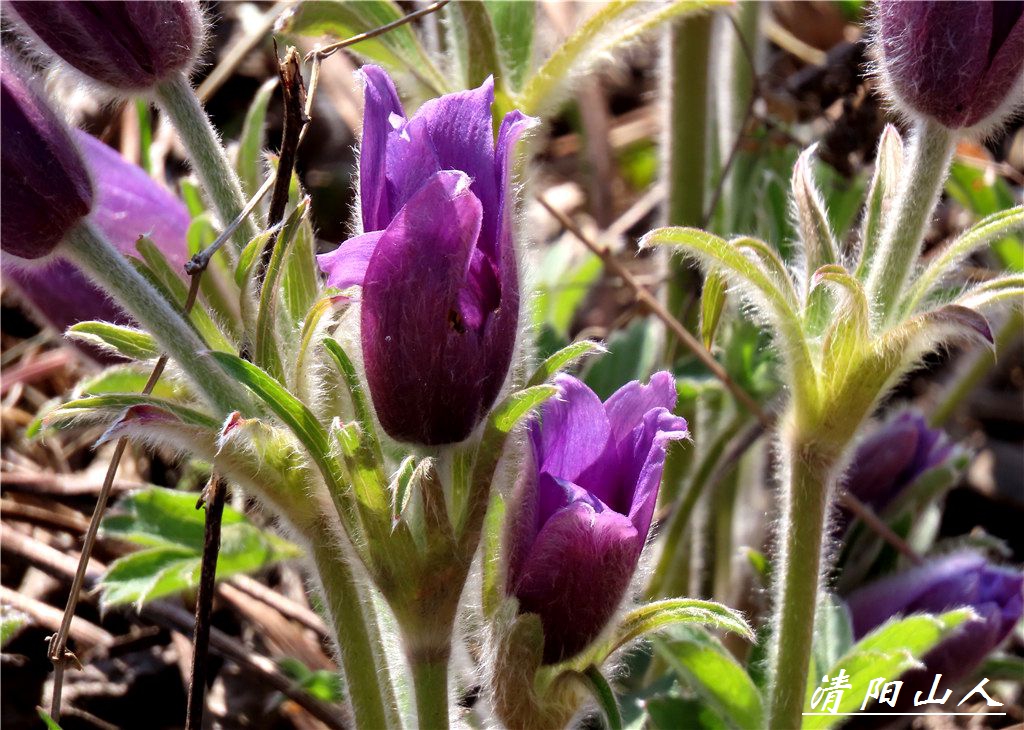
(984,194)
(11,622)
(324,684)
(712,303)
(250,143)
(516,406)
(127,379)
(312,320)
(491,586)
(50,723)
(658,615)
(246,259)
(360,403)
(819,244)
(563,359)
(127,341)
(833,631)
(300,285)
(704,666)
(481,46)
(398,50)
(566,276)
(514,27)
(120,401)
(671,712)
(881,194)
(170,529)
(602,692)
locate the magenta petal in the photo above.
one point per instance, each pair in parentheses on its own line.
(381,102)
(423,363)
(513,126)
(576,574)
(646,456)
(626,406)
(572,431)
(346,265)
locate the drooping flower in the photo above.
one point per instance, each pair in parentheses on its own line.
(44,187)
(584,506)
(128,204)
(957,62)
(952,581)
(125,44)
(894,456)
(437,263)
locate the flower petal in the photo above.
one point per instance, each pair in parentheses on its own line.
(512,128)
(381,102)
(346,265)
(646,462)
(572,431)
(627,406)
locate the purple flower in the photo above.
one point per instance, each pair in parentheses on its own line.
(128,204)
(128,45)
(440,299)
(44,187)
(584,506)
(958,579)
(958,62)
(894,456)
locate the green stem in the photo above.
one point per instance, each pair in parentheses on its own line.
(87,247)
(924,174)
(966,379)
(805,512)
(686,139)
(358,638)
(430,680)
(206,154)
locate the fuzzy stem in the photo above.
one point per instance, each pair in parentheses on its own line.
(206,154)
(686,139)
(924,174)
(87,247)
(358,638)
(430,681)
(805,511)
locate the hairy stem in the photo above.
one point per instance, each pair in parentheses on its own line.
(87,247)
(358,638)
(802,529)
(430,681)
(924,174)
(206,154)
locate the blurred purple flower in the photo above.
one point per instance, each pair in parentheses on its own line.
(584,507)
(894,456)
(958,579)
(128,204)
(957,62)
(437,264)
(44,186)
(126,44)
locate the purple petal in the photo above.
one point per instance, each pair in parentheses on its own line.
(880,459)
(627,406)
(572,431)
(512,128)
(380,103)
(346,265)
(576,574)
(423,365)
(647,461)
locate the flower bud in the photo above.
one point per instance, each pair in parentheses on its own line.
(128,204)
(125,44)
(894,456)
(957,62)
(437,264)
(952,581)
(44,186)
(584,506)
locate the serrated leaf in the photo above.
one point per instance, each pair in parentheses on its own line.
(563,359)
(712,304)
(658,615)
(250,144)
(128,341)
(715,676)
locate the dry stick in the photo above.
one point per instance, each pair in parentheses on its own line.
(874,522)
(322,53)
(652,303)
(213,496)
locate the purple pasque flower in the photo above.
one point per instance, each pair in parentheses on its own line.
(958,62)
(437,263)
(44,187)
(942,584)
(128,204)
(894,456)
(125,44)
(583,508)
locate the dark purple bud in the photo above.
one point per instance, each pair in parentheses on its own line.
(894,456)
(957,62)
(583,508)
(129,204)
(44,187)
(125,44)
(437,264)
(952,581)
